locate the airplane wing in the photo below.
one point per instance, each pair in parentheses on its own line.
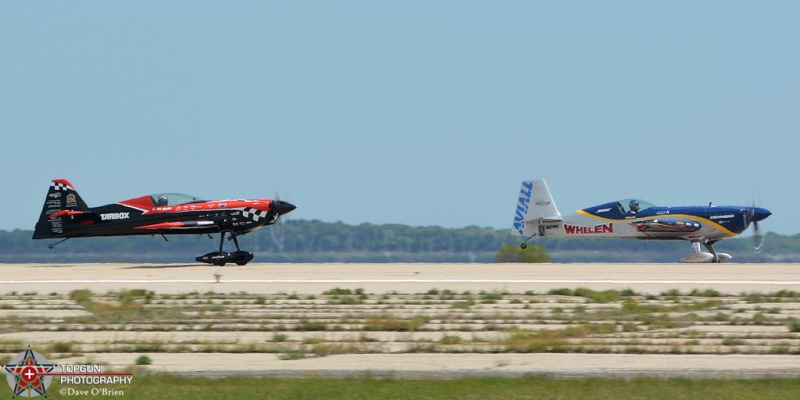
(179,225)
(666,225)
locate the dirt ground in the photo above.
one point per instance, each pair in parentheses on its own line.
(314,279)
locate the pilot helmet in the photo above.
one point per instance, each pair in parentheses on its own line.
(162,200)
(634,204)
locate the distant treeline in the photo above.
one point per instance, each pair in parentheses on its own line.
(317,241)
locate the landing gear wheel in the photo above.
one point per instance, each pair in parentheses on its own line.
(523,246)
(215,258)
(51,246)
(220,257)
(241,257)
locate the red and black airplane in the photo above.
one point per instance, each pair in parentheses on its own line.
(65,215)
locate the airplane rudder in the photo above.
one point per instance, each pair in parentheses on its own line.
(60,196)
(534,203)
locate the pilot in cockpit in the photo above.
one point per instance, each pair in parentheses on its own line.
(634,207)
(163,201)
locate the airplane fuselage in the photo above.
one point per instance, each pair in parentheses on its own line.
(134,217)
(665,223)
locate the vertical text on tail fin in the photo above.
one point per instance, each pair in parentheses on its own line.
(61,196)
(523,203)
(534,203)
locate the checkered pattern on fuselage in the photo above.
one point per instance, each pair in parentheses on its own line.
(254,214)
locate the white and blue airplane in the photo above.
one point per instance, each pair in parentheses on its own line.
(537,216)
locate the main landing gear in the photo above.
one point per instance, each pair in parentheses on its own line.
(220,257)
(700,256)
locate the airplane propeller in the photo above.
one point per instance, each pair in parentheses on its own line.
(754,215)
(277,229)
(758,239)
(276,233)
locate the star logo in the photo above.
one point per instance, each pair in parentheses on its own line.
(26,372)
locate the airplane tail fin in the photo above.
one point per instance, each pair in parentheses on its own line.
(534,204)
(62,197)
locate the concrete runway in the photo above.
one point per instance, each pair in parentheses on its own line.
(402,278)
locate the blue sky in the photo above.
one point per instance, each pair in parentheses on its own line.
(414,112)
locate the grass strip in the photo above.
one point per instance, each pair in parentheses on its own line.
(372,388)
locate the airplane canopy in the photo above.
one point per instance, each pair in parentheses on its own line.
(627,203)
(173,199)
(619,209)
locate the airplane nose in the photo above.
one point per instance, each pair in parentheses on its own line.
(760,213)
(282,207)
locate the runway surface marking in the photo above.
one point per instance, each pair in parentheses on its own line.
(616,281)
